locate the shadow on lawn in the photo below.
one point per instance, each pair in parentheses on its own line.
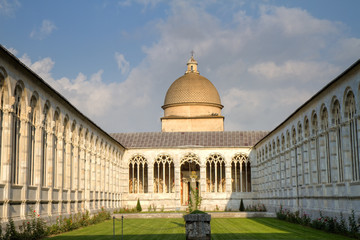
(178,236)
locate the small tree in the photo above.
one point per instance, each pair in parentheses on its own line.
(242,208)
(194,200)
(138,206)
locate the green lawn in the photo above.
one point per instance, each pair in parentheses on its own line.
(221,228)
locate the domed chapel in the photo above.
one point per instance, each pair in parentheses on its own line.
(192,104)
(55,160)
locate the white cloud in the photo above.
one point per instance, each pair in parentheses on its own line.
(46,28)
(8,7)
(42,67)
(145,3)
(13,51)
(262,66)
(123,65)
(296,70)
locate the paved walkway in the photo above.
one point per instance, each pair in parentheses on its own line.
(213,215)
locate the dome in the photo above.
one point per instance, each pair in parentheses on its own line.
(192,88)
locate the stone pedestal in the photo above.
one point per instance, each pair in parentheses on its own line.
(198,226)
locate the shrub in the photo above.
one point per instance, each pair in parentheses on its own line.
(256,208)
(342,228)
(242,208)
(305,219)
(353,226)
(197,212)
(281,213)
(326,223)
(138,206)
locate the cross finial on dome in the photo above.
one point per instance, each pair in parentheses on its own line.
(192,53)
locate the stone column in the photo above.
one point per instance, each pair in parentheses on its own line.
(6,155)
(202,179)
(102,183)
(60,169)
(67,170)
(82,177)
(49,164)
(75,177)
(24,162)
(177,176)
(228,177)
(87,179)
(39,169)
(98,181)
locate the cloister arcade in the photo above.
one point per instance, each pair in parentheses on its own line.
(164,166)
(53,159)
(316,150)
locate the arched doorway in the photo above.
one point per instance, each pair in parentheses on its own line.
(189,175)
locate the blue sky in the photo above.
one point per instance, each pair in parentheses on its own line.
(115,60)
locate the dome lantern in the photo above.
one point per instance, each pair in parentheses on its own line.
(192,66)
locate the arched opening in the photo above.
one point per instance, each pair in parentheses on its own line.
(32,141)
(215,173)
(164,177)
(350,115)
(241,173)
(16,135)
(190,176)
(55,150)
(138,174)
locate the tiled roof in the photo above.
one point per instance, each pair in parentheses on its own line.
(187,139)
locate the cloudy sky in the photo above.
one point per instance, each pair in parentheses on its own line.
(115,60)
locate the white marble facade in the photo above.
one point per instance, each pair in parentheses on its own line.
(53,159)
(311,161)
(217,189)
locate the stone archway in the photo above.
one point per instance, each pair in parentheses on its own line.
(189,176)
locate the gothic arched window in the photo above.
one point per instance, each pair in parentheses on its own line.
(55,149)
(16,135)
(215,173)
(350,112)
(138,174)
(240,173)
(44,145)
(164,176)
(32,129)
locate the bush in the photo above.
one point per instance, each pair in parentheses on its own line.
(326,223)
(197,212)
(256,208)
(242,208)
(138,206)
(353,226)
(35,228)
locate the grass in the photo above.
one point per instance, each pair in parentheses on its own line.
(221,228)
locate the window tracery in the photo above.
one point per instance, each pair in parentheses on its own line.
(350,113)
(17,107)
(241,173)
(215,173)
(138,174)
(32,129)
(164,176)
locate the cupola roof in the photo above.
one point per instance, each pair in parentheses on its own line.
(192,88)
